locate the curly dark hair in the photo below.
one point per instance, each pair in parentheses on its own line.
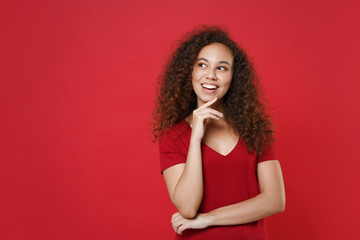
(243,107)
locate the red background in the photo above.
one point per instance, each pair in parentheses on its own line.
(77,89)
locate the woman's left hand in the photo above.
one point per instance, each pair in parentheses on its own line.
(179,223)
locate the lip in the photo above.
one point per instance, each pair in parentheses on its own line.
(207,90)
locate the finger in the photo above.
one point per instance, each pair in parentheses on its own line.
(210,110)
(208,103)
(175,215)
(181,229)
(176,225)
(176,218)
(208,115)
(177,221)
(176,228)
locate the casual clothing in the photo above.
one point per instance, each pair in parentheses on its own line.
(227,180)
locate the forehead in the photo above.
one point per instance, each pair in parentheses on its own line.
(216,52)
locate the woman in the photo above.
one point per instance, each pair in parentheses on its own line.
(216,151)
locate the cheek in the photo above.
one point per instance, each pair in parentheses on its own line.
(193,77)
(227,81)
(196,76)
(226,85)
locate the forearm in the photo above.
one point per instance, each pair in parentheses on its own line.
(271,200)
(240,213)
(247,211)
(185,183)
(188,192)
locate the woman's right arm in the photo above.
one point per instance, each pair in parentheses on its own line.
(185,181)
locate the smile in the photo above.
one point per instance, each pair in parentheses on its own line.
(209,86)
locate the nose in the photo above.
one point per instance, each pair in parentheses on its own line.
(211,74)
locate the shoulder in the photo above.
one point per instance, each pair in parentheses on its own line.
(176,132)
(173,145)
(178,137)
(270,153)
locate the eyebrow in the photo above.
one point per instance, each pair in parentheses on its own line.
(224,62)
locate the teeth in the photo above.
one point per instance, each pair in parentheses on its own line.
(209,86)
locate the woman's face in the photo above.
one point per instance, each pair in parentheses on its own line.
(212,72)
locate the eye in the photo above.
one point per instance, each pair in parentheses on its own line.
(221,68)
(202,65)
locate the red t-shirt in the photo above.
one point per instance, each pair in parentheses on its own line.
(227,180)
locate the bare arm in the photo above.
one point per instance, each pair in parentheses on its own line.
(185,181)
(271,200)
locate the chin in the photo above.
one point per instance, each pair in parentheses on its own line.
(206,99)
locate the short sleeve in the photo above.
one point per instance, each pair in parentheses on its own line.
(269,154)
(171,151)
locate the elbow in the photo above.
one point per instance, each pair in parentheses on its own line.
(275,205)
(275,208)
(188,212)
(279,206)
(282,203)
(187,209)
